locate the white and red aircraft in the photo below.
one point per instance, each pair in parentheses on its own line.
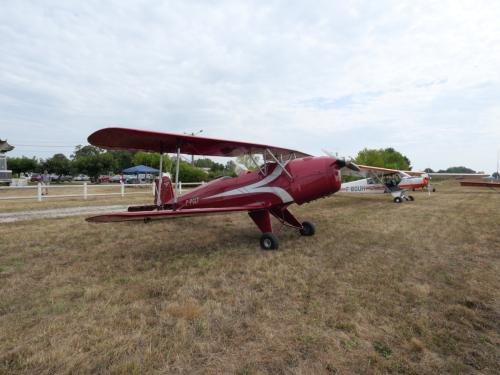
(396,182)
(385,180)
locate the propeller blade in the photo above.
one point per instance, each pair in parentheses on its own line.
(342,163)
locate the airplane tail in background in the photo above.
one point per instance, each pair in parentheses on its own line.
(166,191)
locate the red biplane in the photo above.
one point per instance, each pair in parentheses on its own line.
(285,177)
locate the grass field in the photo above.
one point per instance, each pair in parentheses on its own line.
(381,288)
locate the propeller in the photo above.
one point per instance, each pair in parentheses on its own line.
(342,162)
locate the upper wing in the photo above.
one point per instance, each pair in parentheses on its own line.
(459,175)
(415,173)
(142,140)
(444,174)
(366,170)
(147,216)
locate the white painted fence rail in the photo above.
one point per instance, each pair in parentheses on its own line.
(82,190)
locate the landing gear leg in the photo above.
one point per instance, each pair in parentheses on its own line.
(262,218)
(282,214)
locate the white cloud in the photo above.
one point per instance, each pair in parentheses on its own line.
(419,76)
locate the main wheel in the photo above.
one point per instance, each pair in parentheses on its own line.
(308,229)
(410,198)
(397,200)
(268,241)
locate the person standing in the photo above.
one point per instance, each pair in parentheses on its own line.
(45,181)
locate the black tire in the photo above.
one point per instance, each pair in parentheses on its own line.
(308,229)
(268,241)
(397,200)
(410,198)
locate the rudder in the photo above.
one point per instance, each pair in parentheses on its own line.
(166,191)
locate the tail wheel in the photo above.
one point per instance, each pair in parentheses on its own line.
(397,200)
(308,229)
(268,241)
(410,198)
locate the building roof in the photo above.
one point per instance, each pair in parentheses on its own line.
(5,147)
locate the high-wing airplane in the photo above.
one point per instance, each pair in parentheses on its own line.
(286,177)
(385,180)
(458,176)
(396,182)
(489,184)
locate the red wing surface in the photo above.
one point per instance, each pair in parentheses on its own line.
(481,184)
(168,214)
(142,140)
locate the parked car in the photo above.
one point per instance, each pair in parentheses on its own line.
(103,178)
(131,179)
(65,178)
(116,178)
(81,177)
(35,177)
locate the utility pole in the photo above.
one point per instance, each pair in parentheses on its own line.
(498,158)
(194,134)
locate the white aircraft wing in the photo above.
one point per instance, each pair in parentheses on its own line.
(367,171)
(453,175)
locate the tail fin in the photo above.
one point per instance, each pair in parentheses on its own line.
(166,191)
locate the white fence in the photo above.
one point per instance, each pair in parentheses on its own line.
(82,190)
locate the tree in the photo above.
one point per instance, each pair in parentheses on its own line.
(94,164)
(496,175)
(123,159)
(230,168)
(385,158)
(428,170)
(22,164)
(248,163)
(188,173)
(152,159)
(204,163)
(460,169)
(81,151)
(58,164)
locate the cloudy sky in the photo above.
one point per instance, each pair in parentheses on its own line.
(422,77)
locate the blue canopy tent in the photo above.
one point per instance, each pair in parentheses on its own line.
(140,169)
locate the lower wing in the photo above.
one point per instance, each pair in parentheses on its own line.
(147,216)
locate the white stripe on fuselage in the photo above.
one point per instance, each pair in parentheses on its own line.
(259,187)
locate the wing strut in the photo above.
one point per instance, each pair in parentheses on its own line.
(160,178)
(177,174)
(264,172)
(279,163)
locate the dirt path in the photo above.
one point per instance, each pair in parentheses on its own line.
(58,212)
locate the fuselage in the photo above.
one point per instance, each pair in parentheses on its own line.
(307,179)
(371,186)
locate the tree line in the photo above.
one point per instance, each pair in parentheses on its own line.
(94,161)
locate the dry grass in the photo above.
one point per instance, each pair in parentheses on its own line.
(381,288)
